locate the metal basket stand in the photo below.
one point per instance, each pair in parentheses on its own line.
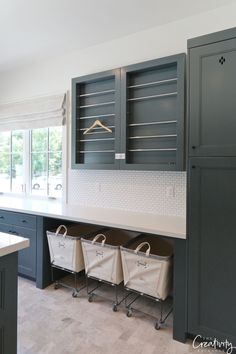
(159,322)
(91,292)
(57,283)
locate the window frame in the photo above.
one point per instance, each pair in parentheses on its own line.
(27,164)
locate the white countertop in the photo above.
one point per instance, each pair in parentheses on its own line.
(11,243)
(172,226)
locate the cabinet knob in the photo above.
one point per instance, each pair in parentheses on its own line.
(193,147)
(193,166)
(1,217)
(23,220)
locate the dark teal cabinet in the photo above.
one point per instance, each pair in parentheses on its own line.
(8,304)
(27,257)
(211,221)
(153,114)
(96,97)
(180,268)
(143,105)
(212,244)
(212,107)
(22,225)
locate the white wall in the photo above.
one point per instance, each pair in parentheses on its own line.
(54,75)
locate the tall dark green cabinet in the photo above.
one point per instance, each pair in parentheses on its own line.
(212,186)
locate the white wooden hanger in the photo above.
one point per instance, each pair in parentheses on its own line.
(95,124)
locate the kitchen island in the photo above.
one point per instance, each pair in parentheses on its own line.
(9,247)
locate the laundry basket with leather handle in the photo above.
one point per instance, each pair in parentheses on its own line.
(147,266)
(65,246)
(102,256)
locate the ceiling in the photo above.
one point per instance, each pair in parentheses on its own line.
(35,29)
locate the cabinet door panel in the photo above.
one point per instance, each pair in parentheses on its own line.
(152,101)
(212,99)
(96,97)
(212,245)
(9,217)
(24,220)
(5,217)
(8,304)
(27,257)
(5,228)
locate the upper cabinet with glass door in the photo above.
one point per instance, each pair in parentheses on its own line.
(130,118)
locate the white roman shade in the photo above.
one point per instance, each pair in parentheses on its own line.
(33,113)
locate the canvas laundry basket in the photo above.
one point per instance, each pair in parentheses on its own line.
(65,246)
(147,266)
(102,256)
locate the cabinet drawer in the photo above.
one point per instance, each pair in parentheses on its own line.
(18,219)
(5,217)
(24,220)
(17,230)
(5,228)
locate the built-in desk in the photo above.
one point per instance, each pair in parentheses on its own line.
(50,214)
(171,226)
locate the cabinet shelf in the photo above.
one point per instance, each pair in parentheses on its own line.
(146,150)
(92,140)
(153,83)
(96,116)
(154,136)
(152,96)
(97,104)
(152,123)
(95,151)
(96,93)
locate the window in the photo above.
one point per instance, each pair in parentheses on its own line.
(31,145)
(46,161)
(31,161)
(11,161)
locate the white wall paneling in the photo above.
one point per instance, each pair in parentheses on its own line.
(162,193)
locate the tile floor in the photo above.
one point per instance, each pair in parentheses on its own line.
(52,322)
